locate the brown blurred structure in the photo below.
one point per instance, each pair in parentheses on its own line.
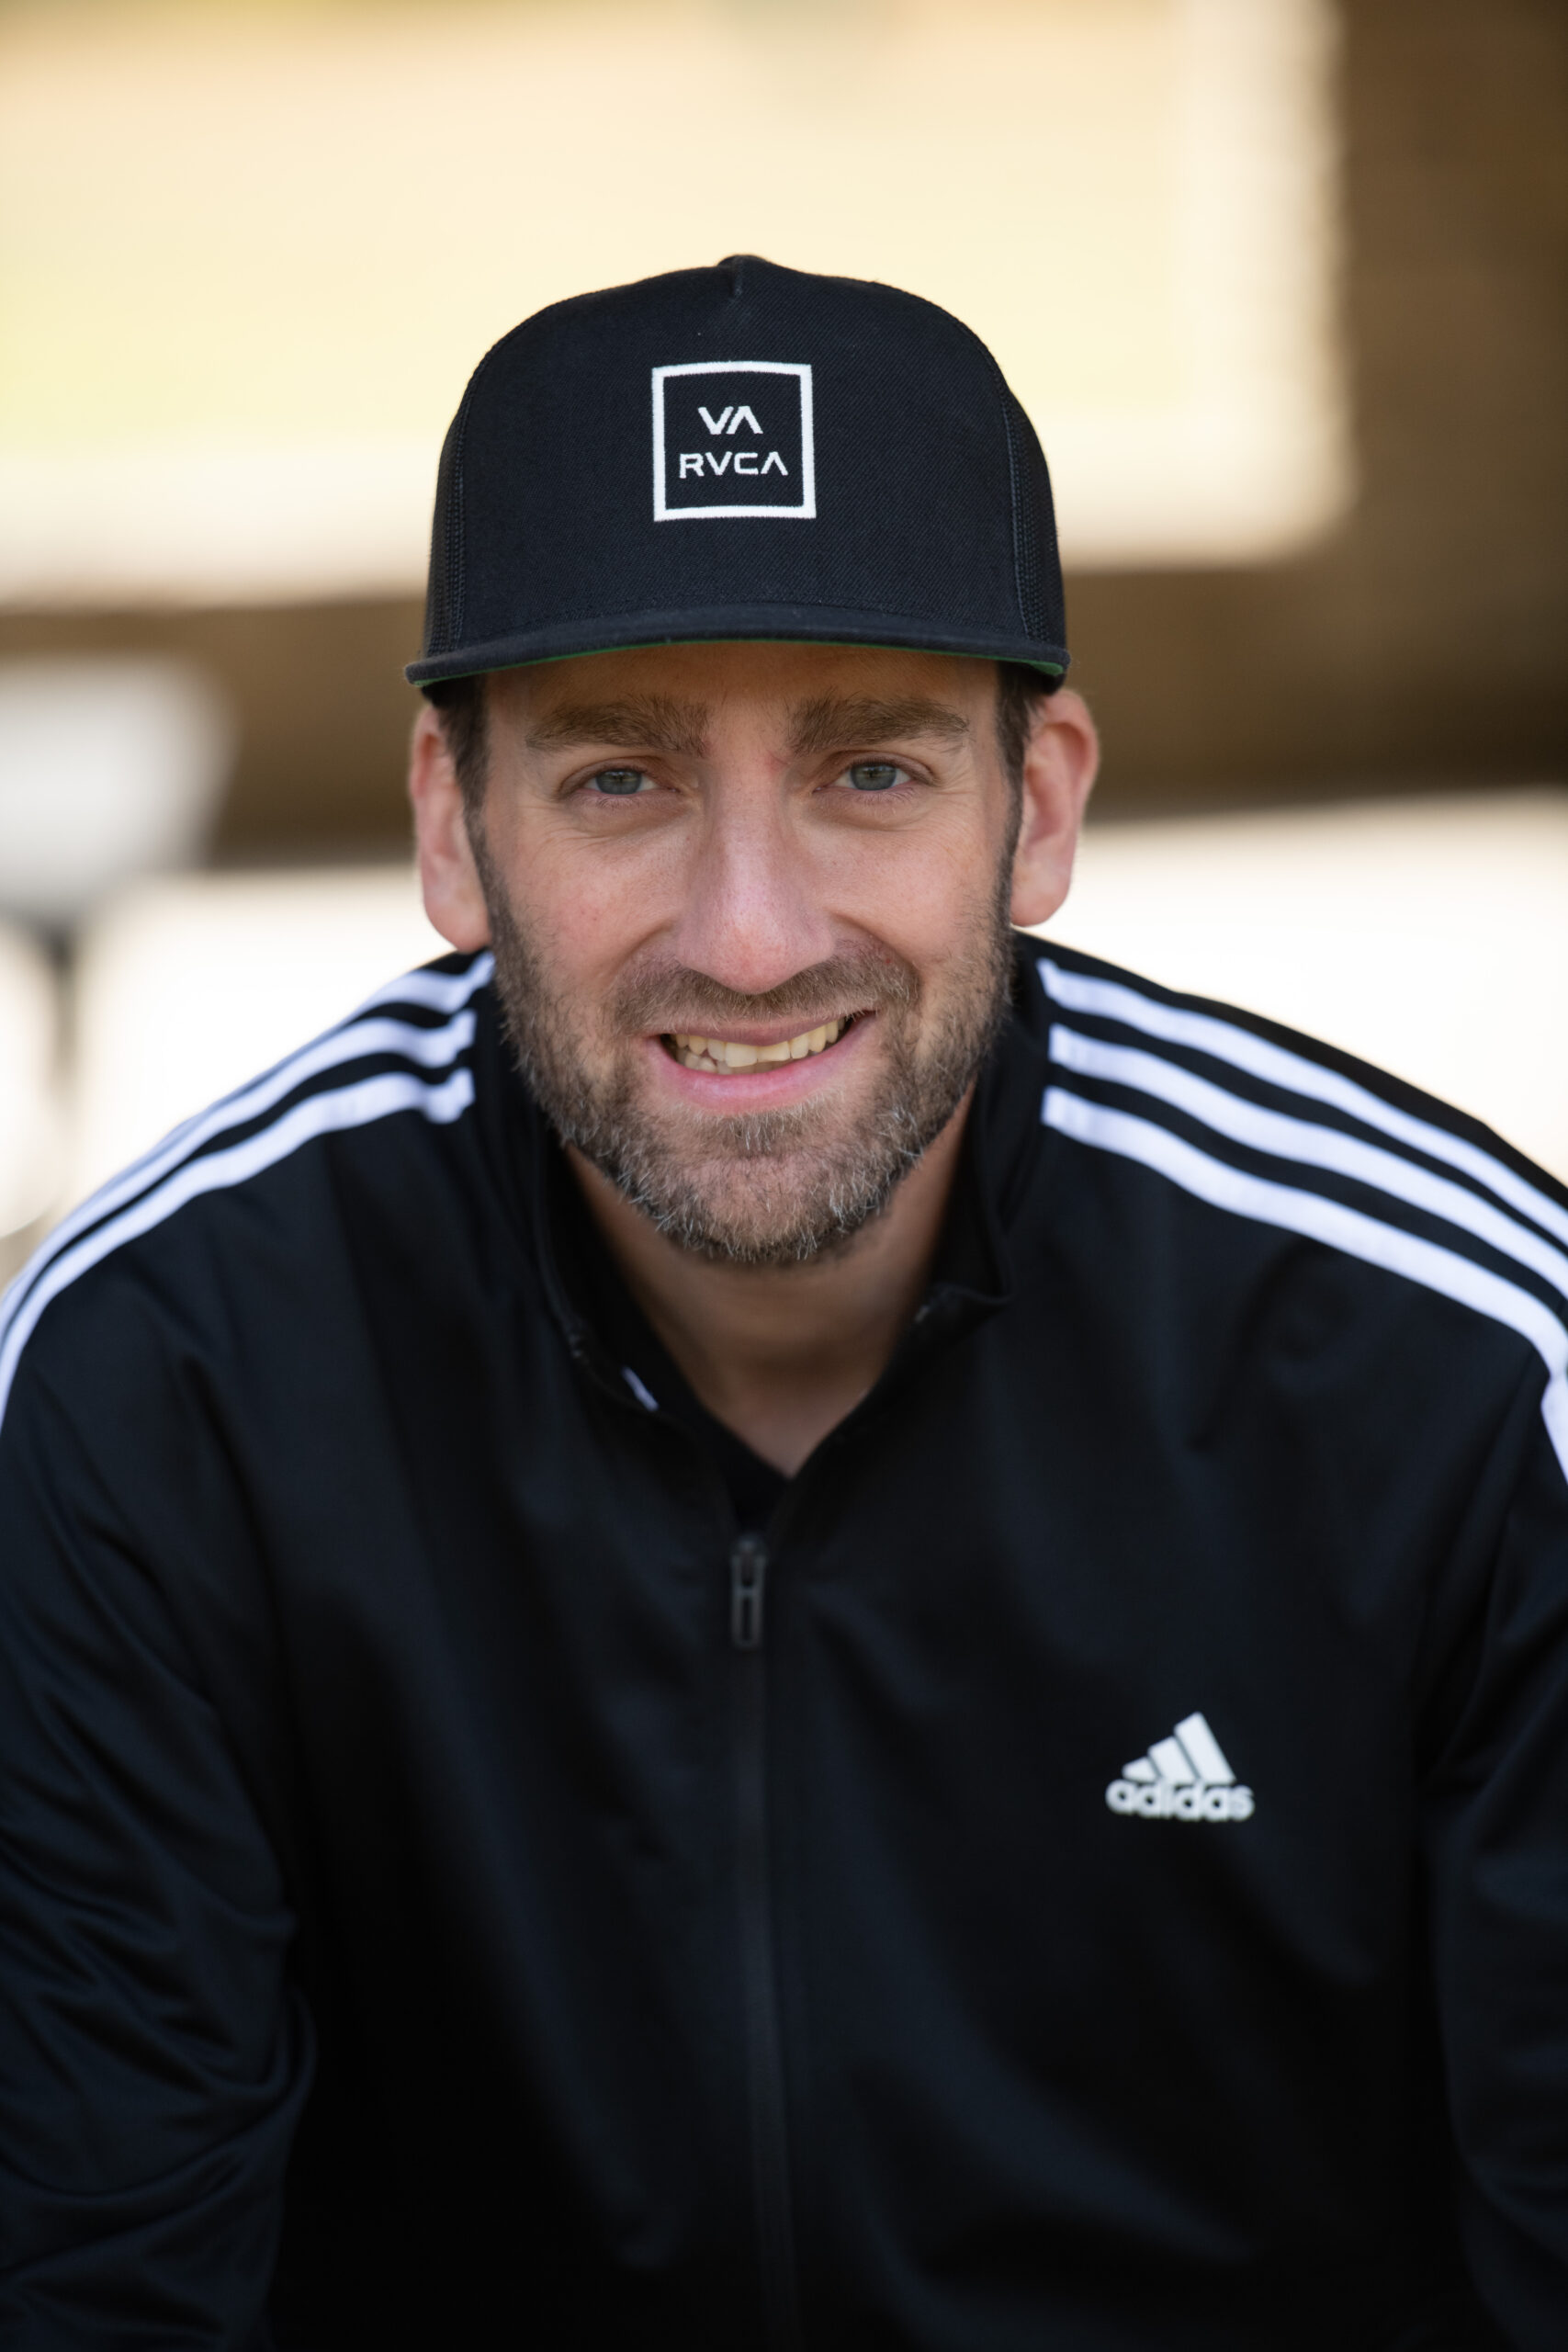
(1422,646)
(1428,642)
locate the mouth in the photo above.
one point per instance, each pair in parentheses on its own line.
(731,1056)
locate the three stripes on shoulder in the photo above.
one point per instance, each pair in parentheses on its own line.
(1494,1212)
(318,1091)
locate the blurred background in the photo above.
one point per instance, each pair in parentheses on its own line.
(1281,281)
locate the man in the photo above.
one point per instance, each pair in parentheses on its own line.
(762,1618)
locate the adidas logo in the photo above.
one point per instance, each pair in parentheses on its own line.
(1184,1778)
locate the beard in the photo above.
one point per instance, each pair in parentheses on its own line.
(763,1188)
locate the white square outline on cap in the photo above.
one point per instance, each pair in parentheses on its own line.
(806,510)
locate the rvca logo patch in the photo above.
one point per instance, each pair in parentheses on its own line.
(733,436)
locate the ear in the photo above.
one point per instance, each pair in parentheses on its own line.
(1059,768)
(449,877)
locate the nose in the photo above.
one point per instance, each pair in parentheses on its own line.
(751,914)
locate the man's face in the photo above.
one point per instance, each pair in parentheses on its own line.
(749,911)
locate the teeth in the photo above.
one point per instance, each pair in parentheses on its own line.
(724,1054)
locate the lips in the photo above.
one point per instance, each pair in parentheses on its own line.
(724,1057)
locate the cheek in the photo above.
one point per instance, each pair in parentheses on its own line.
(589,906)
(926,894)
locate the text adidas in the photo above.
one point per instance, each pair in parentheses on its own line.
(1160,1801)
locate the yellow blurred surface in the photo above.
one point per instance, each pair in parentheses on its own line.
(249,254)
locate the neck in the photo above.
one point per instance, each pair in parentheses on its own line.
(781,1354)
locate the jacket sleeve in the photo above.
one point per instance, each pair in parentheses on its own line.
(153,2063)
(1496,1858)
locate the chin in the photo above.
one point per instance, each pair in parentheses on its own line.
(779,1209)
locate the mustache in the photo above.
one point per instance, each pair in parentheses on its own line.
(668,997)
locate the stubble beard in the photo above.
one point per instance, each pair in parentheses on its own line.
(763,1188)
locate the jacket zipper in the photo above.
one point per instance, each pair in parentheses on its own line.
(758,1981)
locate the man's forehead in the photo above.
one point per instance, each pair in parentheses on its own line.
(814,698)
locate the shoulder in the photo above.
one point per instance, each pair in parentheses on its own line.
(247,1162)
(1261,1129)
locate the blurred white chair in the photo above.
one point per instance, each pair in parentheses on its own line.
(1430,936)
(29,1103)
(108,769)
(189,985)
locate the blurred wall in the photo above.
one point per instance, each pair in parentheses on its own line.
(1426,643)
(1421,645)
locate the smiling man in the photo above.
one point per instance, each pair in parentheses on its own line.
(751,910)
(764,1618)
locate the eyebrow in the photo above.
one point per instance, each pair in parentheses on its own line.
(659,723)
(641,722)
(832,723)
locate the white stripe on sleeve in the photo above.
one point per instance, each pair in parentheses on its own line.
(1226,1041)
(437,991)
(435,1048)
(1306,1140)
(1321,1219)
(318,1115)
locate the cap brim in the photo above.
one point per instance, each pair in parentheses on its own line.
(755,624)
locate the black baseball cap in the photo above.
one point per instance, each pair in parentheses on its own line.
(740,452)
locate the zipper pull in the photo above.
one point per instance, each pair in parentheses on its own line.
(747,1574)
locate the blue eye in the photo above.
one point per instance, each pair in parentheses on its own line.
(619,783)
(874,776)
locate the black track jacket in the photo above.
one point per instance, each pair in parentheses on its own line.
(1090,1875)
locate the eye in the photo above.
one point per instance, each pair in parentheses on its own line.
(874,775)
(619,784)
